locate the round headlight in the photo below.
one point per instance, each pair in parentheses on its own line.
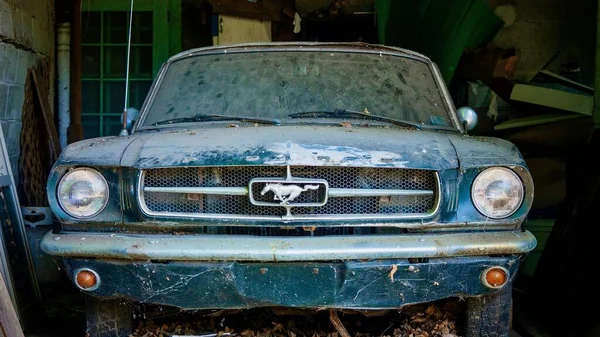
(497,192)
(83,192)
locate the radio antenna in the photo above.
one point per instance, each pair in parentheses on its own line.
(124,131)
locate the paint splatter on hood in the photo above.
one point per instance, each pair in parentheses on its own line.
(293,145)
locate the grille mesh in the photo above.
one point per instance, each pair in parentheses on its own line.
(337,177)
(291,231)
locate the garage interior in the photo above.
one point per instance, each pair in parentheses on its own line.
(527,67)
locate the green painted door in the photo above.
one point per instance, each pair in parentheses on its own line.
(104,58)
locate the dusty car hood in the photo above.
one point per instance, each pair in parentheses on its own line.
(293,145)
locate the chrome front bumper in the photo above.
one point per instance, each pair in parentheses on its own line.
(250,248)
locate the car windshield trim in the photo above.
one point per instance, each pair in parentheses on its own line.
(216,118)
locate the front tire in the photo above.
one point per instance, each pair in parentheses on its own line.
(108,318)
(490,315)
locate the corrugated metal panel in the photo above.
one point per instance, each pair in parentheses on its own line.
(439,29)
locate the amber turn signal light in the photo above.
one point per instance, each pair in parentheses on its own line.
(87,279)
(494,277)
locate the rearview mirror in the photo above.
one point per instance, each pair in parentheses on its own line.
(467,117)
(132,114)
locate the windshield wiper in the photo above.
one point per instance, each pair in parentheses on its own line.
(340,113)
(212,118)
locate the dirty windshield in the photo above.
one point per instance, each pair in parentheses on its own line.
(273,85)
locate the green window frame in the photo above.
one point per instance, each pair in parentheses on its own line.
(100,84)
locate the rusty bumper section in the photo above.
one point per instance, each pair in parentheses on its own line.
(249,248)
(352,284)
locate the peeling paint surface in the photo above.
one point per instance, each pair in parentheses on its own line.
(337,284)
(298,145)
(213,144)
(103,151)
(486,151)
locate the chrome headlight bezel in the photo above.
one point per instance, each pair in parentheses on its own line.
(97,175)
(483,174)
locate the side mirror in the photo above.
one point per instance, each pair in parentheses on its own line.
(468,117)
(132,114)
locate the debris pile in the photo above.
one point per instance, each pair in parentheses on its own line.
(434,320)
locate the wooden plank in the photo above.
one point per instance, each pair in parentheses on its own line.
(351,6)
(553,98)
(241,30)
(9,321)
(42,97)
(18,241)
(261,10)
(535,120)
(567,81)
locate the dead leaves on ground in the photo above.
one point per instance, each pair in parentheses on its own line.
(422,321)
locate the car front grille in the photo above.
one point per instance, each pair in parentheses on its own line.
(290,231)
(328,192)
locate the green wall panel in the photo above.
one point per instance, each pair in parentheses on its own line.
(439,29)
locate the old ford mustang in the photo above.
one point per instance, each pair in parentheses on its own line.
(304,175)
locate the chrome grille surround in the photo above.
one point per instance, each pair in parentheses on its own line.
(355,193)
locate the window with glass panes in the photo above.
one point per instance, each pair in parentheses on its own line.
(104,60)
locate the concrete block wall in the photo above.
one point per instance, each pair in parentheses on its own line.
(540,28)
(26,40)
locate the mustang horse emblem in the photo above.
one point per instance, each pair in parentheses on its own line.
(286,193)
